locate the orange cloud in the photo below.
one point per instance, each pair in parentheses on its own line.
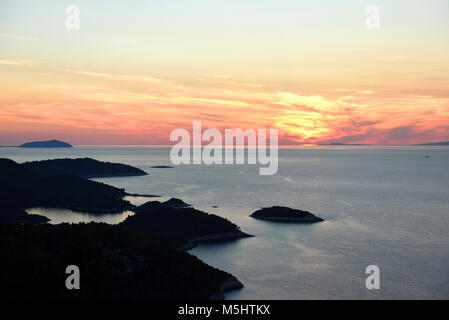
(17,62)
(145,109)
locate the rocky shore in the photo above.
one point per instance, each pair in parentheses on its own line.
(230,283)
(219,237)
(138,259)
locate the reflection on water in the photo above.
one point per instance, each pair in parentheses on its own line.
(57,216)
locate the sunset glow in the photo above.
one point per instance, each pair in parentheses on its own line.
(131,78)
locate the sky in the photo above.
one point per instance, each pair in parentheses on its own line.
(135,70)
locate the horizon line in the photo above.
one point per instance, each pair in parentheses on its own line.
(281,146)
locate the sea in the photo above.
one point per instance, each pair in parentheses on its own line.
(383,206)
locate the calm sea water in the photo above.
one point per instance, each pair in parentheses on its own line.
(383,206)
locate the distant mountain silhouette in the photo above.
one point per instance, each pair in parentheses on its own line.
(445,143)
(83,167)
(341,144)
(46,144)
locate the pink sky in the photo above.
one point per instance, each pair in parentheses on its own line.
(317,80)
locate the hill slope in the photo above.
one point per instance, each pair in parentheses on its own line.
(181,226)
(114,264)
(83,167)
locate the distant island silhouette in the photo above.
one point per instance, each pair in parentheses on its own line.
(46,144)
(444,143)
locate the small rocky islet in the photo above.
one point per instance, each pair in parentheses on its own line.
(285,214)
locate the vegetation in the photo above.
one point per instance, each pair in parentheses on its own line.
(176,203)
(154,216)
(177,225)
(11,214)
(72,192)
(136,259)
(114,264)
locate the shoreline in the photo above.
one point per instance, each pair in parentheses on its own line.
(230,283)
(217,238)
